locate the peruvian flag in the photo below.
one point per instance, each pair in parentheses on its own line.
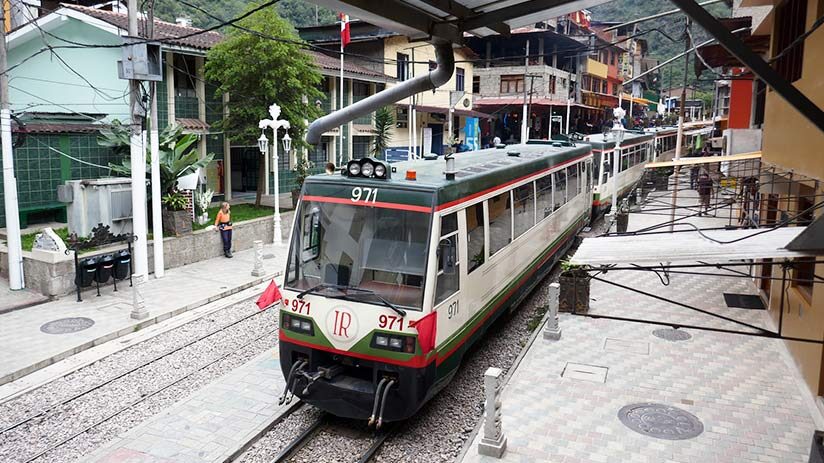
(344,30)
(427,328)
(270,295)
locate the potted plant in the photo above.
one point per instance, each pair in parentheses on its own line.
(176,218)
(302,169)
(202,202)
(384,124)
(574,292)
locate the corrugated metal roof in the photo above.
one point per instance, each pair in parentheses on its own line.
(688,247)
(194,125)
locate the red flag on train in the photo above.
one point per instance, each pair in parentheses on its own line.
(427,327)
(269,296)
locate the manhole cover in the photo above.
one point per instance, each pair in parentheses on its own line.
(67,325)
(660,421)
(672,334)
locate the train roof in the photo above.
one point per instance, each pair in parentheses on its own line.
(476,171)
(601,142)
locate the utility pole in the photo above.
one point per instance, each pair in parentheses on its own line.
(154,142)
(524,125)
(679,139)
(16,277)
(138,162)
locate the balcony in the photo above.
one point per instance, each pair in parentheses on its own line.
(595,68)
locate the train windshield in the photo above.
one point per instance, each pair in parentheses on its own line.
(338,249)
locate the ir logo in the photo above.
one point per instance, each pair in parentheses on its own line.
(341,324)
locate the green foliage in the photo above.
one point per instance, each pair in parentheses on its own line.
(298,12)
(257,72)
(536,318)
(240,213)
(27,240)
(175,201)
(303,167)
(178,156)
(384,123)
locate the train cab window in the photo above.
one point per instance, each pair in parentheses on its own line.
(447,257)
(544,197)
(500,222)
(311,235)
(524,210)
(560,188)
(475,236)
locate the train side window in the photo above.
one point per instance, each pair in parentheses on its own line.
(500,222)
(448,281)
(475,236)
(560,192)
(524,208)
(607,157)
(572,181)
(544,197)
(311,235)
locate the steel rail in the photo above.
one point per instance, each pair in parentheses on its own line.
(91,389)
(145,397)
(301,440)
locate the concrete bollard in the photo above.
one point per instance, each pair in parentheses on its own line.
(257,268)
(493,444)
(552,331)
(139,311)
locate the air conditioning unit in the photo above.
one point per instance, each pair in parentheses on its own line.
(92,202)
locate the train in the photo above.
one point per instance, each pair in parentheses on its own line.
(395,270)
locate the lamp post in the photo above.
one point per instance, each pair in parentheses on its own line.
(263,143)
(617,132)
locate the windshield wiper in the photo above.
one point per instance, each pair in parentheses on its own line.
(314,289)
(377,296)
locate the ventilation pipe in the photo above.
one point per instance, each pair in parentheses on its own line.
(444,58)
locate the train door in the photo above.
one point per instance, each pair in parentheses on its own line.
(473,245)
(448,278)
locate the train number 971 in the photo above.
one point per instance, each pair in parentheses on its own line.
(389,321)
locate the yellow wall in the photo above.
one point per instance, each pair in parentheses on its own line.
(597,69)
(793,143)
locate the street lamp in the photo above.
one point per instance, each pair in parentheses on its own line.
(263,144)
(274,123)
(287,143)
(617,132)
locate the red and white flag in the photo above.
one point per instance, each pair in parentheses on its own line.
(270,295)
(344,30)
(427,328)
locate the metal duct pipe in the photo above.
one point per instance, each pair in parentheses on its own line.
(445,59)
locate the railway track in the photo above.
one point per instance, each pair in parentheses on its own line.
(54,409)
(121,375)
(324,425)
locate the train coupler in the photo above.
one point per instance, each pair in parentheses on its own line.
(286,397)
(323,372)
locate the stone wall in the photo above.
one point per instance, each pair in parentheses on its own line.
(490,81)
(54,276)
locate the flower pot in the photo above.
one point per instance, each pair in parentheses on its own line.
(203,218)
(574,292)
(177,222)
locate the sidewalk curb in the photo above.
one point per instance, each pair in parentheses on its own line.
(130,329)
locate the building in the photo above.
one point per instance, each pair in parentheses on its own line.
(422,122)
(545,81)
(793,175)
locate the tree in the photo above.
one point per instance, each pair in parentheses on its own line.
(255,72)
(384,123)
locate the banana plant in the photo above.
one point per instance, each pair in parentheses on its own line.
(177,155)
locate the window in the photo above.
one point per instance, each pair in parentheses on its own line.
(790,19)
(402,117)
(403,70)
(361,147)
(500,222)
(805,205)
(447,254)
(544,197)
(475,236)
(512,84)
(459,79)
(803,275)
(552,82)
(604,87)
(560,183)
(524,208)
(476,85)
(573,185)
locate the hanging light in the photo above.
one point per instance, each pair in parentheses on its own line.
(263,144)
(287,143)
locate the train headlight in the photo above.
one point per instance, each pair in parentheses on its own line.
(397,343)
(298,324)
(381,341)
(367,169)
(380,171)
(354,168)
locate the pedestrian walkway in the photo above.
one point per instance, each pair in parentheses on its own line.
(568,400)
(210,425)
(28,343)
(18,299)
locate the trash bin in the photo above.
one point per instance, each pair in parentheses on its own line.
(122,265)
(104,269)
(85,272)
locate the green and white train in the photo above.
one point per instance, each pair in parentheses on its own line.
(395,271)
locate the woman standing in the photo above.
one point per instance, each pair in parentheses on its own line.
(223,224)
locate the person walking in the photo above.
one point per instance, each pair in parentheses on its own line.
(704,193)
(223,224)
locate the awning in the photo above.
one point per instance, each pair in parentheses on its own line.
(519,101)
(192,125)
(688,247)
(704,160)
(638,100)
(445,111)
